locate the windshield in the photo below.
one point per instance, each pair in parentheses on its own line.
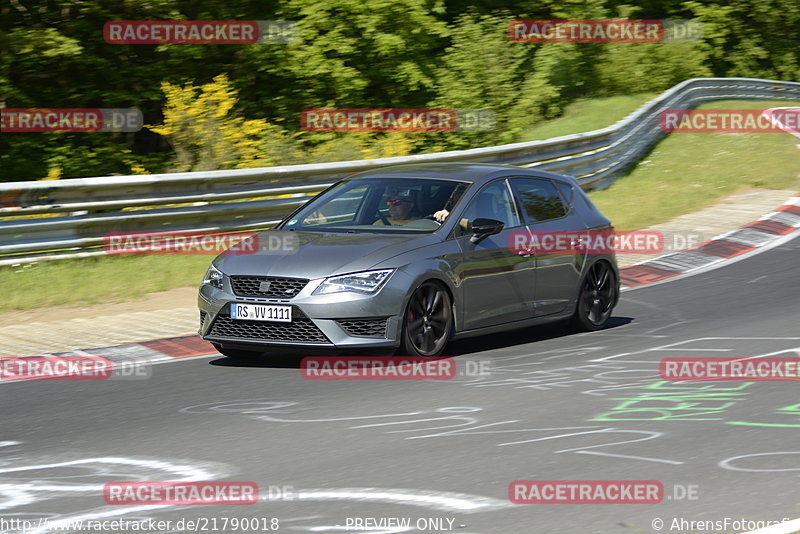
(380,205)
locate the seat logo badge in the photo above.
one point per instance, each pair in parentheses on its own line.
(263,287)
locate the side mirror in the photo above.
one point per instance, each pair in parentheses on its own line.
(483,228)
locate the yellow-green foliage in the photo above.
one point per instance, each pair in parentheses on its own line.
(387,146)
(352,146)
(53,173)
(201,125)
(138,168)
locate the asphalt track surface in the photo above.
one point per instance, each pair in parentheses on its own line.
(554,406)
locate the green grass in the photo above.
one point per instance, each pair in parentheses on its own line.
(587,114)
(689,171)
(96,280)
(684,173)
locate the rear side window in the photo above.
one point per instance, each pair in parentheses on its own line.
(566,192)
(539,198)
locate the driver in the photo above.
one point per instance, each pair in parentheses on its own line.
(400,207)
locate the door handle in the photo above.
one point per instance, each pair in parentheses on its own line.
(577,244)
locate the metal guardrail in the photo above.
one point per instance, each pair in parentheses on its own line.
(218,199)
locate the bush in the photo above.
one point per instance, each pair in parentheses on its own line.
(631,68)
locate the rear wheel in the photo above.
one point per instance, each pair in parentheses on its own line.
(596,299)
(427,322)
(236,354)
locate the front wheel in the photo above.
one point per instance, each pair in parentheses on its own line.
(597,297)
(427,322)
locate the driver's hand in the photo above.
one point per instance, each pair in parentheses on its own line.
(441,215)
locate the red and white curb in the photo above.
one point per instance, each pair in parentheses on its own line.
(133,355)
(771,229)
(770,115)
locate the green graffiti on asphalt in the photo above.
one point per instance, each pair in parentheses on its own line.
(791,411)
(664,401)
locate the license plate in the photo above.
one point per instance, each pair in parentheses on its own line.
(260,312)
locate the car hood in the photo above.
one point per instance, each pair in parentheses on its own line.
(319,254)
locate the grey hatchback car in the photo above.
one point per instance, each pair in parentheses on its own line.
(410,257)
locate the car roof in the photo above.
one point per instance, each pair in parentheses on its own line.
(462,171)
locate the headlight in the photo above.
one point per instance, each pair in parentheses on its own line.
(213,277)
(366,282)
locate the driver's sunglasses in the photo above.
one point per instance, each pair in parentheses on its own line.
(395,202)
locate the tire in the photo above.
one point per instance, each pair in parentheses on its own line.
(236,354)
(427,321)
(597,297)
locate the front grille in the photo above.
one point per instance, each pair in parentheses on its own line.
(300,330)
(202,319)
(364,327)
(282,288)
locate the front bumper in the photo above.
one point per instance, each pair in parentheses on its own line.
(334,320)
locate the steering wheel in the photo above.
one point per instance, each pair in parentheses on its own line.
(383,218)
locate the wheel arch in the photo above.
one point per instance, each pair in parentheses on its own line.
(440,278)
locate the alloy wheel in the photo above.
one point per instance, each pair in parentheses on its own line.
(428,320)
(598,294)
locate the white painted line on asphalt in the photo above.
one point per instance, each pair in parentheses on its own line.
(672,347)
(170,359)
(790,527)
(440,500)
